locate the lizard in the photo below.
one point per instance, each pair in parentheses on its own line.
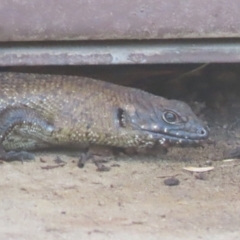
(44,111)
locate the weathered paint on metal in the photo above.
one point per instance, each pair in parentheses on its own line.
(37,20)
(133,52)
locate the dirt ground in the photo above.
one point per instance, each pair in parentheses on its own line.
(43,199)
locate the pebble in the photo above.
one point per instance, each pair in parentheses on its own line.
(172,181)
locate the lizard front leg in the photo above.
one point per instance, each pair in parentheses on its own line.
(22,128)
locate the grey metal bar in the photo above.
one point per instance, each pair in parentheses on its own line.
(125,52)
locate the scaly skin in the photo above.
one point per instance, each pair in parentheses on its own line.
(39,111)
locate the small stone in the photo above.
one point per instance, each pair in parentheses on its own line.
(172,181)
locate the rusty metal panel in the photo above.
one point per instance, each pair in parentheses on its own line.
(37,20)
(118,52)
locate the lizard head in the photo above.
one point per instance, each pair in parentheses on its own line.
(167,122)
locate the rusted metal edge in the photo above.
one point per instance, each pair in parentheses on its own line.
(119,52)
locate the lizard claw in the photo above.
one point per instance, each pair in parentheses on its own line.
(95,159)
(83,159)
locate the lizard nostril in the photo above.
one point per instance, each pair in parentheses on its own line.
(203,132)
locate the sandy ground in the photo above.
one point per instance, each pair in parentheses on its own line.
(128,202)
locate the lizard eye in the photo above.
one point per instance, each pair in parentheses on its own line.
(170,117)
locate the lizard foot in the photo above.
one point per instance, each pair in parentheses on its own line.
(100,166)
(17,156)
(98,163)
(98,158)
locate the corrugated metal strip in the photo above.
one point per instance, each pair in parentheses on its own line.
(117,52)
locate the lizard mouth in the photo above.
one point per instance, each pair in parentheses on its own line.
(168,141)
(181,138)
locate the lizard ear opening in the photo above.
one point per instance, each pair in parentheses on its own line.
(121,116)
